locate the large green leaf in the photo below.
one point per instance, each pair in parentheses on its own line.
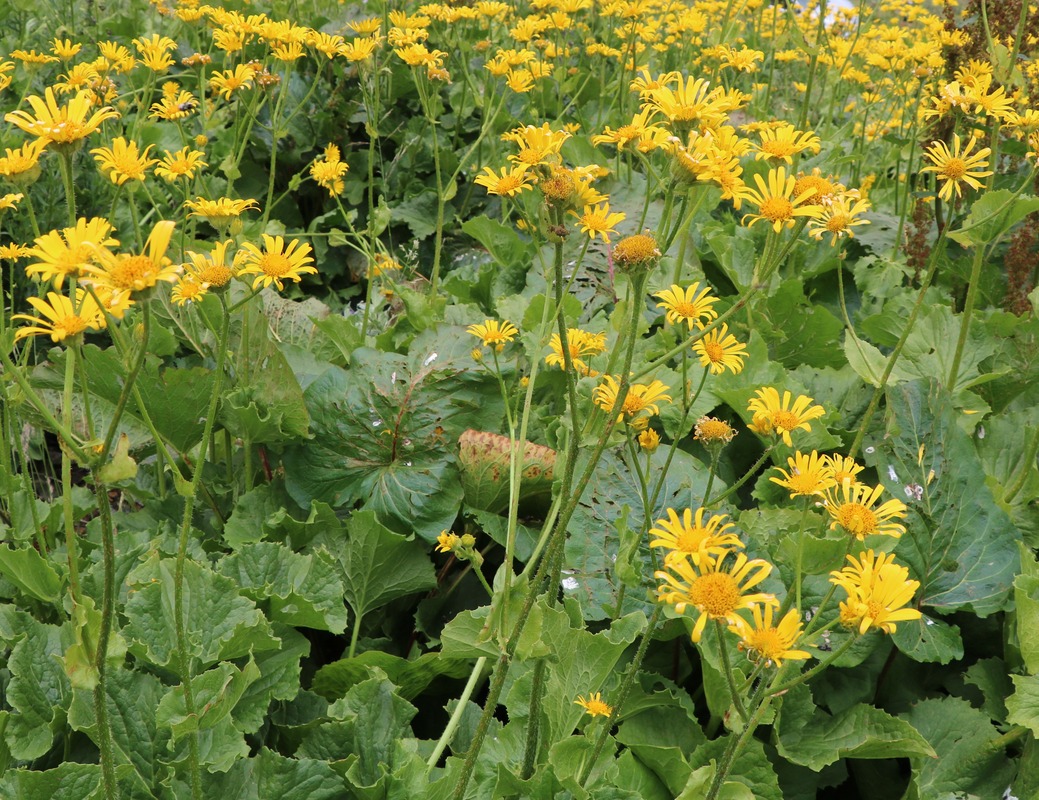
(301,590)
(411,677)
(960,545)
(807,735)
(270,775)
(69,781)
(38,691)
(1023,704)
(279,679)
(992,215)
(385,433)
(219,623)
(31,573)
(216,692)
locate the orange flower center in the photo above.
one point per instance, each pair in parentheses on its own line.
(690,539)
(837,223)
(71,325)
(778,149)
(954,168)
(132,272)
(785,420)
(715,593)
(715,352)
(777,208)
(633,403)
(508,184)
(713,430)
(803,483)
(687,310)
(597,708)
(275,264)
(856,519)
(216,275)
(127,164)
(767,642)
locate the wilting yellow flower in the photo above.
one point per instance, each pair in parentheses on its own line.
(581,344)
(775,416)
(957,166)
(32,59)
(877,590)
(765,640)
(649,440)
(594,705)
(853,509)
(122,274)
(494,333)
(446,542)
(809,475)
(776,202)
(720,350)
(64,125)
(508,184)
(599,220)
(220,212)
(713,432)
(21,165)
(714,588)
(642,399)
(277,263)
(123,162)
(328,172)
(692,305)
(68,251)
(637,250)
(693,538)
(182,164)
(14,252)
(60,319)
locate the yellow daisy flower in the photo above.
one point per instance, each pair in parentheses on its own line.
(691,537)
(123,162)
(783,142)
(62,126)
(642,399)
(581,344)
(776,202)
(691,305)
(184,163)
(957,166)
(493,333)
(838,217)
(773,415)
(844,469)
(277,263)
(594,705)
(854,511)
(809,475)
(765,640)
(210,268)
(60,319)
(877,589)
(67,252)
(719,350)
(220,212)
(123,274)
(713,432)
(508,184)
(599,220)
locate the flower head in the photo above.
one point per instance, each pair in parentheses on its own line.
(765,640)
(122,161)
(493,333)
(220,212)
(649,440)
(68,251)
(20,166)
(59,318)
(640,403)
(123,274)
(594,705)
(809,475)
(877,590)
(844,469)
(777,204)
(719,350)
(599,220)
(64,125)
(853,510)
(773,415)
(581,344)
(276,262)
(783,142)
(328,171)
(638,250)
(713,432)
(957,166)
(694,538)
(838,217)
(507,184)
(691,305)
(182,164)
(210,269)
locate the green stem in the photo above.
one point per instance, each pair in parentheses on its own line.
(804,676)
(104,725)
(456,715)
(66,482)
(746,477)
(65,162)
(723,648)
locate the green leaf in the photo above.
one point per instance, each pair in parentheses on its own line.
(256,515)
(220,623)
(929,640)
(69,781)
(984,225)
(501,241)
(800,332)
(279,679)
(990,676)
(419,213)
(379,565)
(410,677)
(1023,704)
(30,573)
(300,590)
(971,758)
(177,400)
(959,544)
(734,249)
(270,775)
(1026,616)
(750,768)
(809,736)
(216,691)
(38,691)
(79,658)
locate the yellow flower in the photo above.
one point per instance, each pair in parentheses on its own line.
(649,440)
(508,184)
(637,250)
(230,81)
(775,416)
(710,431)
(188,290)
(695,539)
(599,220)
(180,106)
(641,398)
(640,132)
(719,350)
(765,640)
(713,588)
(809,475)
(957,166)
(877,590)
(594,705)
(844,469)
(537,143)
(14,252)
(182,164)
(580,344)
(783,142)
(776,202)
(60,319)
(328,172)
(220,212)
(21,165)
(65,49)
(493,333)
(360,49)
(838,217)
(276,262)
(68,251)
(692,305)
(520,81)
(9,202)
(64,125)
(446,542)
(32,59)
(155,52)
(123,161)
(123,274)
(210,269)
(853,510)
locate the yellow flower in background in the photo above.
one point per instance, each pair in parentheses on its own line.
(30,58)
(123,162)
(59,318)
(689,537)
(64,125)
(509,183)
(784,142)
(122,274)
(838,217)
(594,705)
(65,49)
(581,344)
(171,108)
(66,252)
(188,290)
(9,202)
(641,401)
(493,333)
(877,589)
(14,252)
(184,163)
(844,469)
(520,81)
(599,220)
(537,143)
(6,67)
(210,269)
(713,432)
(763,639)
(854,509)
(957,166)
(649,440)
(155,52)
(220,212)
(328,171)
(809,475)
(773,415)
(714,588)
(720,350)
(360,49)
(691,305)
(446,542)
(276,263)
(777,204)
(229,81)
